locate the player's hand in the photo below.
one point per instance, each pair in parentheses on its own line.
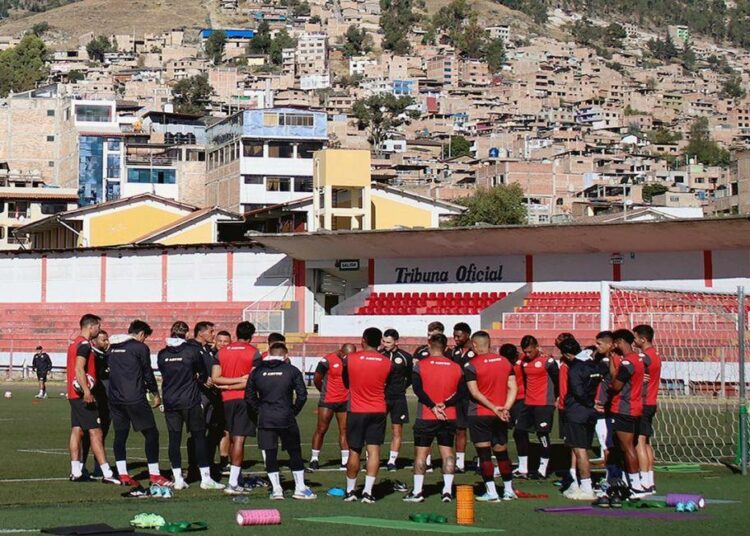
(439,413)
(88,398)
(647,378)
(156,401)
(210,383)
(598,408)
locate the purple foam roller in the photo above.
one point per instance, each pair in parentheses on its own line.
(674,498)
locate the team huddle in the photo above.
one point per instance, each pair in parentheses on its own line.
(222,390)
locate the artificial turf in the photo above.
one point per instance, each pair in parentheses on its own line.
(35,493)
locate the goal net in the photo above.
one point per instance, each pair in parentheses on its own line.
(697,336)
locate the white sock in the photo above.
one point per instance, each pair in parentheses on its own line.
(153,469)
(344,457)
(177,473)
(491,489)
(635,480)
(448,484)
(299,480)
(369,483)
(649,478)
(205,474)
(428,461)
(122,467)
(234,474)
(460,457)
(263,453)
(76,468)
(106,470)
(586,485)
(418,482)
(351,483)
(523,464)
(314,456)
(508,486)
(275,481)
(496,472)
(543,462)
(393,456)
(573,475)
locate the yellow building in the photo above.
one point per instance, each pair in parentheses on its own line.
(140,219)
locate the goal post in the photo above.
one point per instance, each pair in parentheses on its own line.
(700,335)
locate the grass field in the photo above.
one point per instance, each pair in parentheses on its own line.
(35,492)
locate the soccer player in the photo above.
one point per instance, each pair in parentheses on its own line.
(42,365)
(644,341)
(562,391)
(510,352)
(461,354)
(626,392)
(433,328)
(438,383)
(277,393)
(181,368)
(492,386)
(130,377)
(235,362)
(334,397)
(583,377)
(540,374)
(99,348)
(84,415)
(366,374)
(395,393)
(223,339)
(604,348)
(273,338)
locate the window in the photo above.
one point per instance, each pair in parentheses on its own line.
(247,207)
(113,166)
(252,149)
(12,239)
(152,176)
(277,149)
(17,209)
(296,120)
(2,207)
(303,184)
(93,113)
(50,138)
(113,144)
(306,150)
(51,163)
(270,120)
(278,184)
(53,207)
(2,233)
(253,179)
(50,113)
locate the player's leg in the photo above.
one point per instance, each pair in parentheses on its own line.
(119,448)
(97,447)
(292,443)
(396,433)
(543,416)
(486,469)
(522,422)
(446,437)
(197,429)
(420,468)
(325,415)
(265,440)
(601,435)
(236,457)
(461,450)
(399,410)
(500,450)
(343,444)
(355,439)
(626,440)
(372,468)
(174,430)
(74,447)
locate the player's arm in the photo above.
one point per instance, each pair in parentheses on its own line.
(227,383)
(470,374)
(624,372)
(300,391)
(345,371)
(461,393)
(47,363)
(409,367)
(512,392)
(553,371)
(423,397)
(81,377)
(320,372)
(148,375)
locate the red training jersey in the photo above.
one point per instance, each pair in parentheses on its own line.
(652,364)
(368,373)
(491,372)
(236,360)
(629,400)
(540,386)
(333,390)
(563,385)
(521,388)
(79,347)
(440,379)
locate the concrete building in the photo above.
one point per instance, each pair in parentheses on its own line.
(312,53)
(258,158)
(499,32)
(442,69)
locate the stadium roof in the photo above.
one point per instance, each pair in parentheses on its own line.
(675,235)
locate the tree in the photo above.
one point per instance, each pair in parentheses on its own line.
(688,58)
(192,94)
(315,19)
(22,67)
(703,148)
(301,9)
(650,190)
(215,45)
(459,146)
(76,76)
(396,21)
(278,44)
(495,55)
(381,113)
(732,88)
(357,42)
(40,28)
(501,205)
(261,41)
(662,136)
(98,47)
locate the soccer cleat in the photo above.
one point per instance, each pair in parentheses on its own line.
(44,395)
(458,470)
(38,395)
(638,493)
(391,467)
(602,502)
(651,490)
(351,496)
(519,475)
(226,469)
(138,492)
(414,497)
(580,495)
(111,480)
(313,466)
(488,498)
(160,481)
(536,475)
(127,480)
(80,478)
(305,494)
(235,490)
(211,484)
(446,497)
(572,490)
(342,467)
(509,495)
(181,485)
(276,495)
(615,502)
(367,499)
(399,486)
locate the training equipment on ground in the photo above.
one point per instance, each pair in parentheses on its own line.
(258,517)
(336,492)
(465,505)
(628,513)
(428,518)
(77,386)
(673,499)
(8,394)
(147,520)
(395,524)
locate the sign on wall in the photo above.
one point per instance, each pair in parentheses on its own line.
(450,270)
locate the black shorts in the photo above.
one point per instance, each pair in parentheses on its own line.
(213,411)
(41,376)
(577,435)
(425,432)
(336,407)
(238,420)
(191,417)
(646,425)
(365,429)
(84,416)
(462,414)
(624,423)
(268,438)
(561,428)
(488,429)
(102,404)
(537,419)
(139,415)
(398,409)
(515,412)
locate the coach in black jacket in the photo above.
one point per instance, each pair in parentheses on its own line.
(276,391)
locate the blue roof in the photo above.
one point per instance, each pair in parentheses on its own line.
(231,34)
